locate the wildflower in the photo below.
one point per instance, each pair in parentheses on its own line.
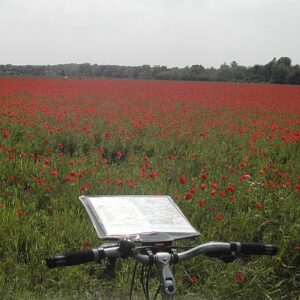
(188,196)
(54,173)
(194,280)
(182,180)
(59,146)
(230,188)
(130,183)
(40,181)
(119,182)
(258,205)
(193,191)
(85,187)
(204,176)
(119,154)
(72,173)
(214,185)
(239,277)
(297,187)
(86,245)
(244,177)
(213,193)
(218,217)
(202,186)
(153,174)
(201,203)
(223,194)
(233,170)
(20,212)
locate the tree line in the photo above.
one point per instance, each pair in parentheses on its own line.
(280,71)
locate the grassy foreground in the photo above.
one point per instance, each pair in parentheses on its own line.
(227,154)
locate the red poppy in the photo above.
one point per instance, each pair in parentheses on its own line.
(119,154)
(194,280)
(86,245)
(20,212)
(204,176)
(218,217)
(230,188)
(188,196)
(258,205)
(202,186)
(40,181)
(201,203)
(244,177)
(182,180)
(214,185)
(223,194)
(239,277)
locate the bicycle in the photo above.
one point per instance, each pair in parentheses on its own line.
(158,250)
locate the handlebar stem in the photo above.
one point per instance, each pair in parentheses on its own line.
(163,261)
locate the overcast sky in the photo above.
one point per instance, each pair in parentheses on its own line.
(156,32)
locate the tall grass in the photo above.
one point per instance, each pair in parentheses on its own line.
(42,174)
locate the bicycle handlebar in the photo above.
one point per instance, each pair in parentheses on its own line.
(212,249)
(163,259)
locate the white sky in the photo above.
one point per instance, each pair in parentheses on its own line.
(155,32)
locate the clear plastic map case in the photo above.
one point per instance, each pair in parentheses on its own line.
(137,217)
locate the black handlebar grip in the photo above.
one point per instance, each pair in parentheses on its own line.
(258,249)
(71,258)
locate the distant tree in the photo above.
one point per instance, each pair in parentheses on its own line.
(285,61)
(294,75)
(62,73)
(275,71)
(224,72)
(196,71)
(85,69)
(280,74)
(268,69)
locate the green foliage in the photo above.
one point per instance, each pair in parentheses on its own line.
(278,71)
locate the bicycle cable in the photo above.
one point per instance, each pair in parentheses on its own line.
(132,280)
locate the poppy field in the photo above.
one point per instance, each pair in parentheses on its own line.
(227,153)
